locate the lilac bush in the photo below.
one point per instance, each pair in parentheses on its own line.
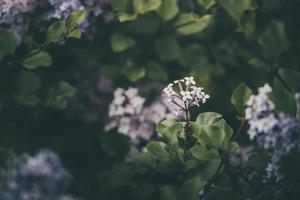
(39,177)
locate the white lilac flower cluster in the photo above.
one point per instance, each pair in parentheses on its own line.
(184,94)
(12,14)
(260,112)
(272,130)
(131,117)
(35,177)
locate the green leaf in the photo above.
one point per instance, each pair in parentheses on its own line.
(36,59)
(236,8)
(134,74)
(232,147)
(240,97)
(190,189)
(143,6)
(189,23)
(120,42)
(109,141)
(206,4)
(274,40)
(190,164)
(123,17)
(202,153)
(76,33)
(169,134)
(167,48)
(145,159)
(8,43)
(282,98)
(292,78)
(145,24)
(168,9)
(165,124)
(156,72)
(56,31)
(58,95)
(27,87)
(208,118)
(247,23)
(167,165)
(158,150)
(119,5)
(258,162)
(74,19)
(256,62)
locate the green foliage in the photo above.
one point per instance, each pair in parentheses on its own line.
(120,42)
(258,161)
(134,74)
(156,72)
(8,43)
(75,18)
(36,59)
(240,97)
(168,9)
(207,4)
(236,8)
(274,40)
(143,6)
(190,23)
(27,87)
(58,95)
(108,142)
(56,31)
(291,77)
(282,98)
(167,48)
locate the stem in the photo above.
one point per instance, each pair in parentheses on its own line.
(186,128)
(207,187)
(240,128)
(297,97)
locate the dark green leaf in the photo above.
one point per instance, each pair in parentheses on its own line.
(156,72)
(120,42)
(240,97)
(208,118)
(134,74)
(189,23)
(158,149)
(168,9)
(143,6)
(167,48)
(283,99)
(292,78)
(236,8)
(56,31)
(274,40)
(202,153)
(8,43)
(74,19)
(109,141)
(36,59)
(58,95)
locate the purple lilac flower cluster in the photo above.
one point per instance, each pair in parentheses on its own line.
(35,177)
(92,97)
(274,131)
(128,114)
(12,14)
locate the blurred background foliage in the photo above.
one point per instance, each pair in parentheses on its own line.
(51,99)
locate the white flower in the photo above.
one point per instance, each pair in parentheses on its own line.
(186,95)
(189,81)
